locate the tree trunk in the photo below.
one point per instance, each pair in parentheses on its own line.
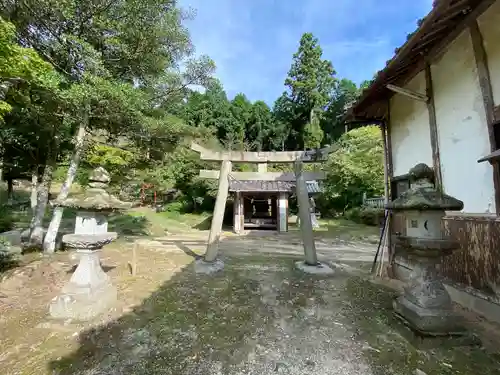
(36,233)
(34,188)
(49,243)
(36,226)
(10,189)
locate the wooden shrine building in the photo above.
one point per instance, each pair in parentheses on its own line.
(263,204)
(261,197)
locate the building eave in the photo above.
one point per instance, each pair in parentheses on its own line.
(441,25)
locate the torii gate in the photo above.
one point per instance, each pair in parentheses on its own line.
(210,262)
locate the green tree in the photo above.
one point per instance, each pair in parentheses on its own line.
(313,134)
(355,168)
(114,58)
(310,83)
(241,109)
(345,93)
(259,126)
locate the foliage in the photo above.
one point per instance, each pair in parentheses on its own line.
(355,168)
(310,84)
(18,65)
(7,219)
(366,215)
(127,72)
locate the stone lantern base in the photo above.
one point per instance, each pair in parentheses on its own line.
(426,306)
(429,322)
(89,291)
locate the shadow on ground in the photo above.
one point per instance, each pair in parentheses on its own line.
(261,316)
(205,224)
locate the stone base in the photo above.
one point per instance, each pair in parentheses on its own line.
(428,322)
(83,303)
(201,266)
(319,269)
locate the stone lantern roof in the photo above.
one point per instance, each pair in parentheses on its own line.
(95,197)
(422,195)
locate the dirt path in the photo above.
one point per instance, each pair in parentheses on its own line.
(258,316)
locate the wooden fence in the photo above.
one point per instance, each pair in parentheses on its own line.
(376,202)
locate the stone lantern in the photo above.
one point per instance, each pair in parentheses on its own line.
(89,291)
(425,304)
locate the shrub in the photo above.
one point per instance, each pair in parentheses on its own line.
(7,219)
(366,215)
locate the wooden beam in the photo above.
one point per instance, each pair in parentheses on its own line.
(387,124)
(387,182)
(409,93)
(263,176)
(436,158)
(483,73)
(390,175)
(310,156)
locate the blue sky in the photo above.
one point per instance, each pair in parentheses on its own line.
(252,41)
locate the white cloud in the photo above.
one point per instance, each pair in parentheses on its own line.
(252,41)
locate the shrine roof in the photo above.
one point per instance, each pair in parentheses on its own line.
(435,32)
(256,186)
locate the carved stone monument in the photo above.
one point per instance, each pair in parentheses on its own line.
(89,291)
(425,305)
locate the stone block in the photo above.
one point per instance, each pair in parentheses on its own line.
(318,269)
(201,266)
(433,322)
(83,303)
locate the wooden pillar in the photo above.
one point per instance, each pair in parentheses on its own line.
(311,258)
(218,215)
(483,73)
(436,158)
(237,212)
(283,212)
(387,182)
(386,131)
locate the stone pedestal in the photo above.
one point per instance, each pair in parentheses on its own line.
(89,291)
(426,305)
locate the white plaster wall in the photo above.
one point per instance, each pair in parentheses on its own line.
(462,130)
(410,134)
(489,24)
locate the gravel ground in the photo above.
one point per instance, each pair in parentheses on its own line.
(257,316)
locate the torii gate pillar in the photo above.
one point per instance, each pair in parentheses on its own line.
(210,263)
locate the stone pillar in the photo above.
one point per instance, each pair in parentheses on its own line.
(210,263)
(310,263)
(283,212)
(305,217)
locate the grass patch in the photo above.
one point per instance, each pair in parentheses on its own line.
(344,230)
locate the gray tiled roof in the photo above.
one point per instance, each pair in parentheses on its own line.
(271,186)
